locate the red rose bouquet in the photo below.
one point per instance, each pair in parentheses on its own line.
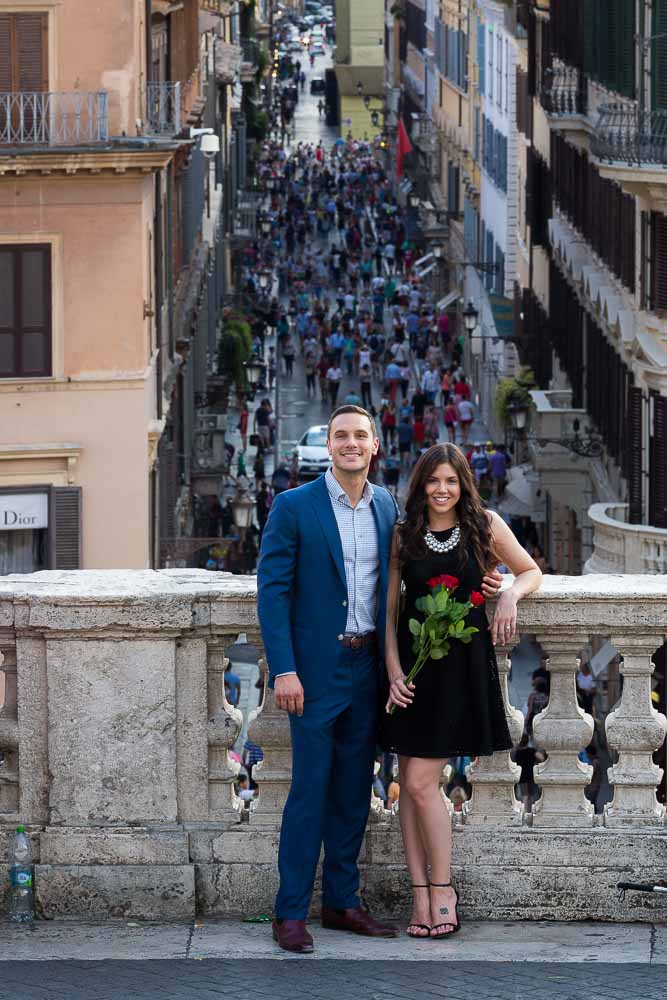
(444,621)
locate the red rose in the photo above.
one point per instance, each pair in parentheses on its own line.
(476,599)
(450,582)
(433,582)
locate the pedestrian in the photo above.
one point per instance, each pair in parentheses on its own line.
(365,382)
(334,376)
(451,417)
(455,705)
(323,653)
(392,471)
(465,412)
(258,468)
(405,437)
(388,422)
(262,423)
(242,425)
(479,462)
(289,352)
(498,463)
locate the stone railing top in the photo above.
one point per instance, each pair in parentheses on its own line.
(605,514)
(181,599)
(554,401)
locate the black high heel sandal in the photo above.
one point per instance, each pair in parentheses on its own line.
(423,927)
(455,927)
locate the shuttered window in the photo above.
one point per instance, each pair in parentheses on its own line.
(658,262)
(659,56)
(658,463)
(481,55)
(65,527)
(23,52)
(609,43)
(25,310)
(634,466)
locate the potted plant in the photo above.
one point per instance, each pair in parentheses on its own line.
(512,392)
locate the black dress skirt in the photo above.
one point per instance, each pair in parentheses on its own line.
(458,706)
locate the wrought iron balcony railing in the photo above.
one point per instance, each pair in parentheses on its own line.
(624,134)
(53,118)
(564,91)
(163,108)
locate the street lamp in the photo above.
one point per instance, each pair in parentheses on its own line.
(470,317)
(519,415)
(242,508)
(255,368)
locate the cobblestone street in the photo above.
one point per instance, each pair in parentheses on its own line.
(328,980)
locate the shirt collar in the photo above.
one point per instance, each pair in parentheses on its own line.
(336,491)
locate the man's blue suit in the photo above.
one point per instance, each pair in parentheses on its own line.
(302,605)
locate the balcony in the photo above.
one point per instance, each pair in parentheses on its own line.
(115,736)
(163,109)
(620,547)
(564,92)
(53,118)
(630,137)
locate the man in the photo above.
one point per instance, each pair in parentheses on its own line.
(322,592)
(322,598)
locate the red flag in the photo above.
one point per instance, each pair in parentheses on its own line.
(403,146)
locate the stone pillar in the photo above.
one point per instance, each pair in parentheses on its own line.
(563,730)
(223,727)
(35,726)
(270,729)
(9,738)
(191,744)
(635,729)
(493,778)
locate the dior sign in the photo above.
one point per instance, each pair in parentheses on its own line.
(24,511)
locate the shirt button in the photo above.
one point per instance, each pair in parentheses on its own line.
(340,637)
(344,604)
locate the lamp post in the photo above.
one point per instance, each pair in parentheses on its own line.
(243,507)
(518,410)
(470,315)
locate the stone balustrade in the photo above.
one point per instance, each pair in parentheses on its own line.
(620,547)
(115,736)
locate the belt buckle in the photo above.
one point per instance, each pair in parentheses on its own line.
(357,641)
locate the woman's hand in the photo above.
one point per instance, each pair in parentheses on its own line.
(400,693)
(503,626)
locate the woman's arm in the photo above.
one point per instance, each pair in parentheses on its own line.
(527,578)
(399,692)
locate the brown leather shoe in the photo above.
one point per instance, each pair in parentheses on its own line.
(293,936)
(357,921)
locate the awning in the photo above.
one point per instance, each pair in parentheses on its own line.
(227,61)
(447,301)
(503,316)
(520,498)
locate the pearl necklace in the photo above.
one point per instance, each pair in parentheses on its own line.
(445,546)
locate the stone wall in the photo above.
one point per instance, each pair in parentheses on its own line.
(115,734)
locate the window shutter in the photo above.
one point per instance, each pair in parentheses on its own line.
(634,453)
(5,52)
(658,465)
(65,518)
(659,57)
(658,261)
(31,51)
(481,56)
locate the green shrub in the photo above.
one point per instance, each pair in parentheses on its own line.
(515,389)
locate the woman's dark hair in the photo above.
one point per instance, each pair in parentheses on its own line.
(473,518)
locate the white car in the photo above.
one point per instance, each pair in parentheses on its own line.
(317,49)
(312,453)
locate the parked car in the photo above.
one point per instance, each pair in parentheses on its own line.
(317,85)
(317,49)
(312,454)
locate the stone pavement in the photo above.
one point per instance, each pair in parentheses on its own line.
(214,959)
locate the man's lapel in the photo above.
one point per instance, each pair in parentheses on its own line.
(384,530)
(325,515)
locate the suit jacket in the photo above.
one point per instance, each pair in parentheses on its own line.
(302,592)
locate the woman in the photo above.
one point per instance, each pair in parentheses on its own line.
(455,706)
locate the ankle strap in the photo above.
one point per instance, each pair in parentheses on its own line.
(440,885)
(420,885)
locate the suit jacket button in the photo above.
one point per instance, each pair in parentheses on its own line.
(340,637)
(344,604)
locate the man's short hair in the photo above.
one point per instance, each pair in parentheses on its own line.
(351,408)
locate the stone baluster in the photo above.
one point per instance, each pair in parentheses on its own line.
(223,727)
(563,729)
(378,813)
(9,736)
(635,729)
(269,728)
(493,778)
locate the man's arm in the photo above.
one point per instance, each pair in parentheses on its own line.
(275,586)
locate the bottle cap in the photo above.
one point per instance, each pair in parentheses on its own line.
(20,829)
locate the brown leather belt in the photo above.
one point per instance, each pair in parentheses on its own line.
(359,641)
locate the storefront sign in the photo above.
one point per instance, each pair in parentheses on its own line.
(23,511)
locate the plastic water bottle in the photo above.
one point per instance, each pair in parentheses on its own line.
(21,905)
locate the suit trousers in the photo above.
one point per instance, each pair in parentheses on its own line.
(333,752)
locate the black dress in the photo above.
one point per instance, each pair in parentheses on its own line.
(458,706)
